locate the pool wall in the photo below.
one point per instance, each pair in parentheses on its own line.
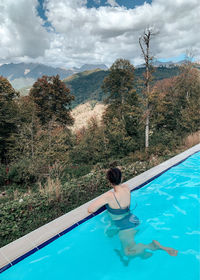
(37,239)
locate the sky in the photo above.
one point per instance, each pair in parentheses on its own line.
(70,33)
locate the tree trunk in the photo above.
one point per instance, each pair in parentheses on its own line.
(147,108)
(145,40)
(32,136)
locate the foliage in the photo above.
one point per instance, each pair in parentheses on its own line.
(20,216)
(119,82)
(7,116)
(36,147)
(87,85)
(53,100)
(188,98)
(30,165)
(122,115)
(176,106)
(76,170)
(22,172)
(26,130)
(90,146)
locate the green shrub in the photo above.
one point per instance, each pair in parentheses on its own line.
(167,138)
(76,171)
(20,216)
(22,172)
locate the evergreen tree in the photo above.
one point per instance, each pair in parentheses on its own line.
(119,84)
(122,115)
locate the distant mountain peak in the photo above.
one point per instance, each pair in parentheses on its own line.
(167,64)
(89,67)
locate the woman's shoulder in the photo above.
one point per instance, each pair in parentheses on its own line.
(125,187)
(108,194)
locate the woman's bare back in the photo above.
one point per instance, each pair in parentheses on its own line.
(121,196)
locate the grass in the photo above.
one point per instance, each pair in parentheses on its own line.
(192,140)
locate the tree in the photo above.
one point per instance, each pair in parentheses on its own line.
(90,144)
(120,91)
(187,92)
(122,114)
(27,126)
(119,84)
(144,42)
(53,100)
(8,111)
(163,99)
(31,157)
(176,106)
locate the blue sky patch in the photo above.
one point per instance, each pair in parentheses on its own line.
(41,12)
(129,4)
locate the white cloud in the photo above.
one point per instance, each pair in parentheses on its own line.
(21,31)
(81,35)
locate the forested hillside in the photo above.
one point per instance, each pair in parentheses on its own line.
(86,85)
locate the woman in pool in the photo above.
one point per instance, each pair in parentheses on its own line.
(118,205)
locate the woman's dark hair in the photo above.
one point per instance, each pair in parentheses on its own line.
(114,176)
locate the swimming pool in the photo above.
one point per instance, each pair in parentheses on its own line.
(169,211)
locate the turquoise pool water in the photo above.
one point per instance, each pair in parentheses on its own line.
(169,211)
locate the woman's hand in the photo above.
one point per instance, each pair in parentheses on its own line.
(90,210)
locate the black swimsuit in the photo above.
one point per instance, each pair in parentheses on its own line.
(128,221)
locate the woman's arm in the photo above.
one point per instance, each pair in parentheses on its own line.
(98,203)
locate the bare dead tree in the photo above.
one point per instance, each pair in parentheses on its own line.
(144,42)
(190,55)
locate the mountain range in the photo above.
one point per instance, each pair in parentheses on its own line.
(85,82)
(25,74)
(168,64)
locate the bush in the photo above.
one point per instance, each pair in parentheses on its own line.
(165,138)
(22,172)
(20,216)
(76,171)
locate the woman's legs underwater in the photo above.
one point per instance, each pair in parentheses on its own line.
(131,249)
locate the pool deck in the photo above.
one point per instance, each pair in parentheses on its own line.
(35,240)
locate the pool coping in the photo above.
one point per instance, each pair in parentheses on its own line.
(21,248)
